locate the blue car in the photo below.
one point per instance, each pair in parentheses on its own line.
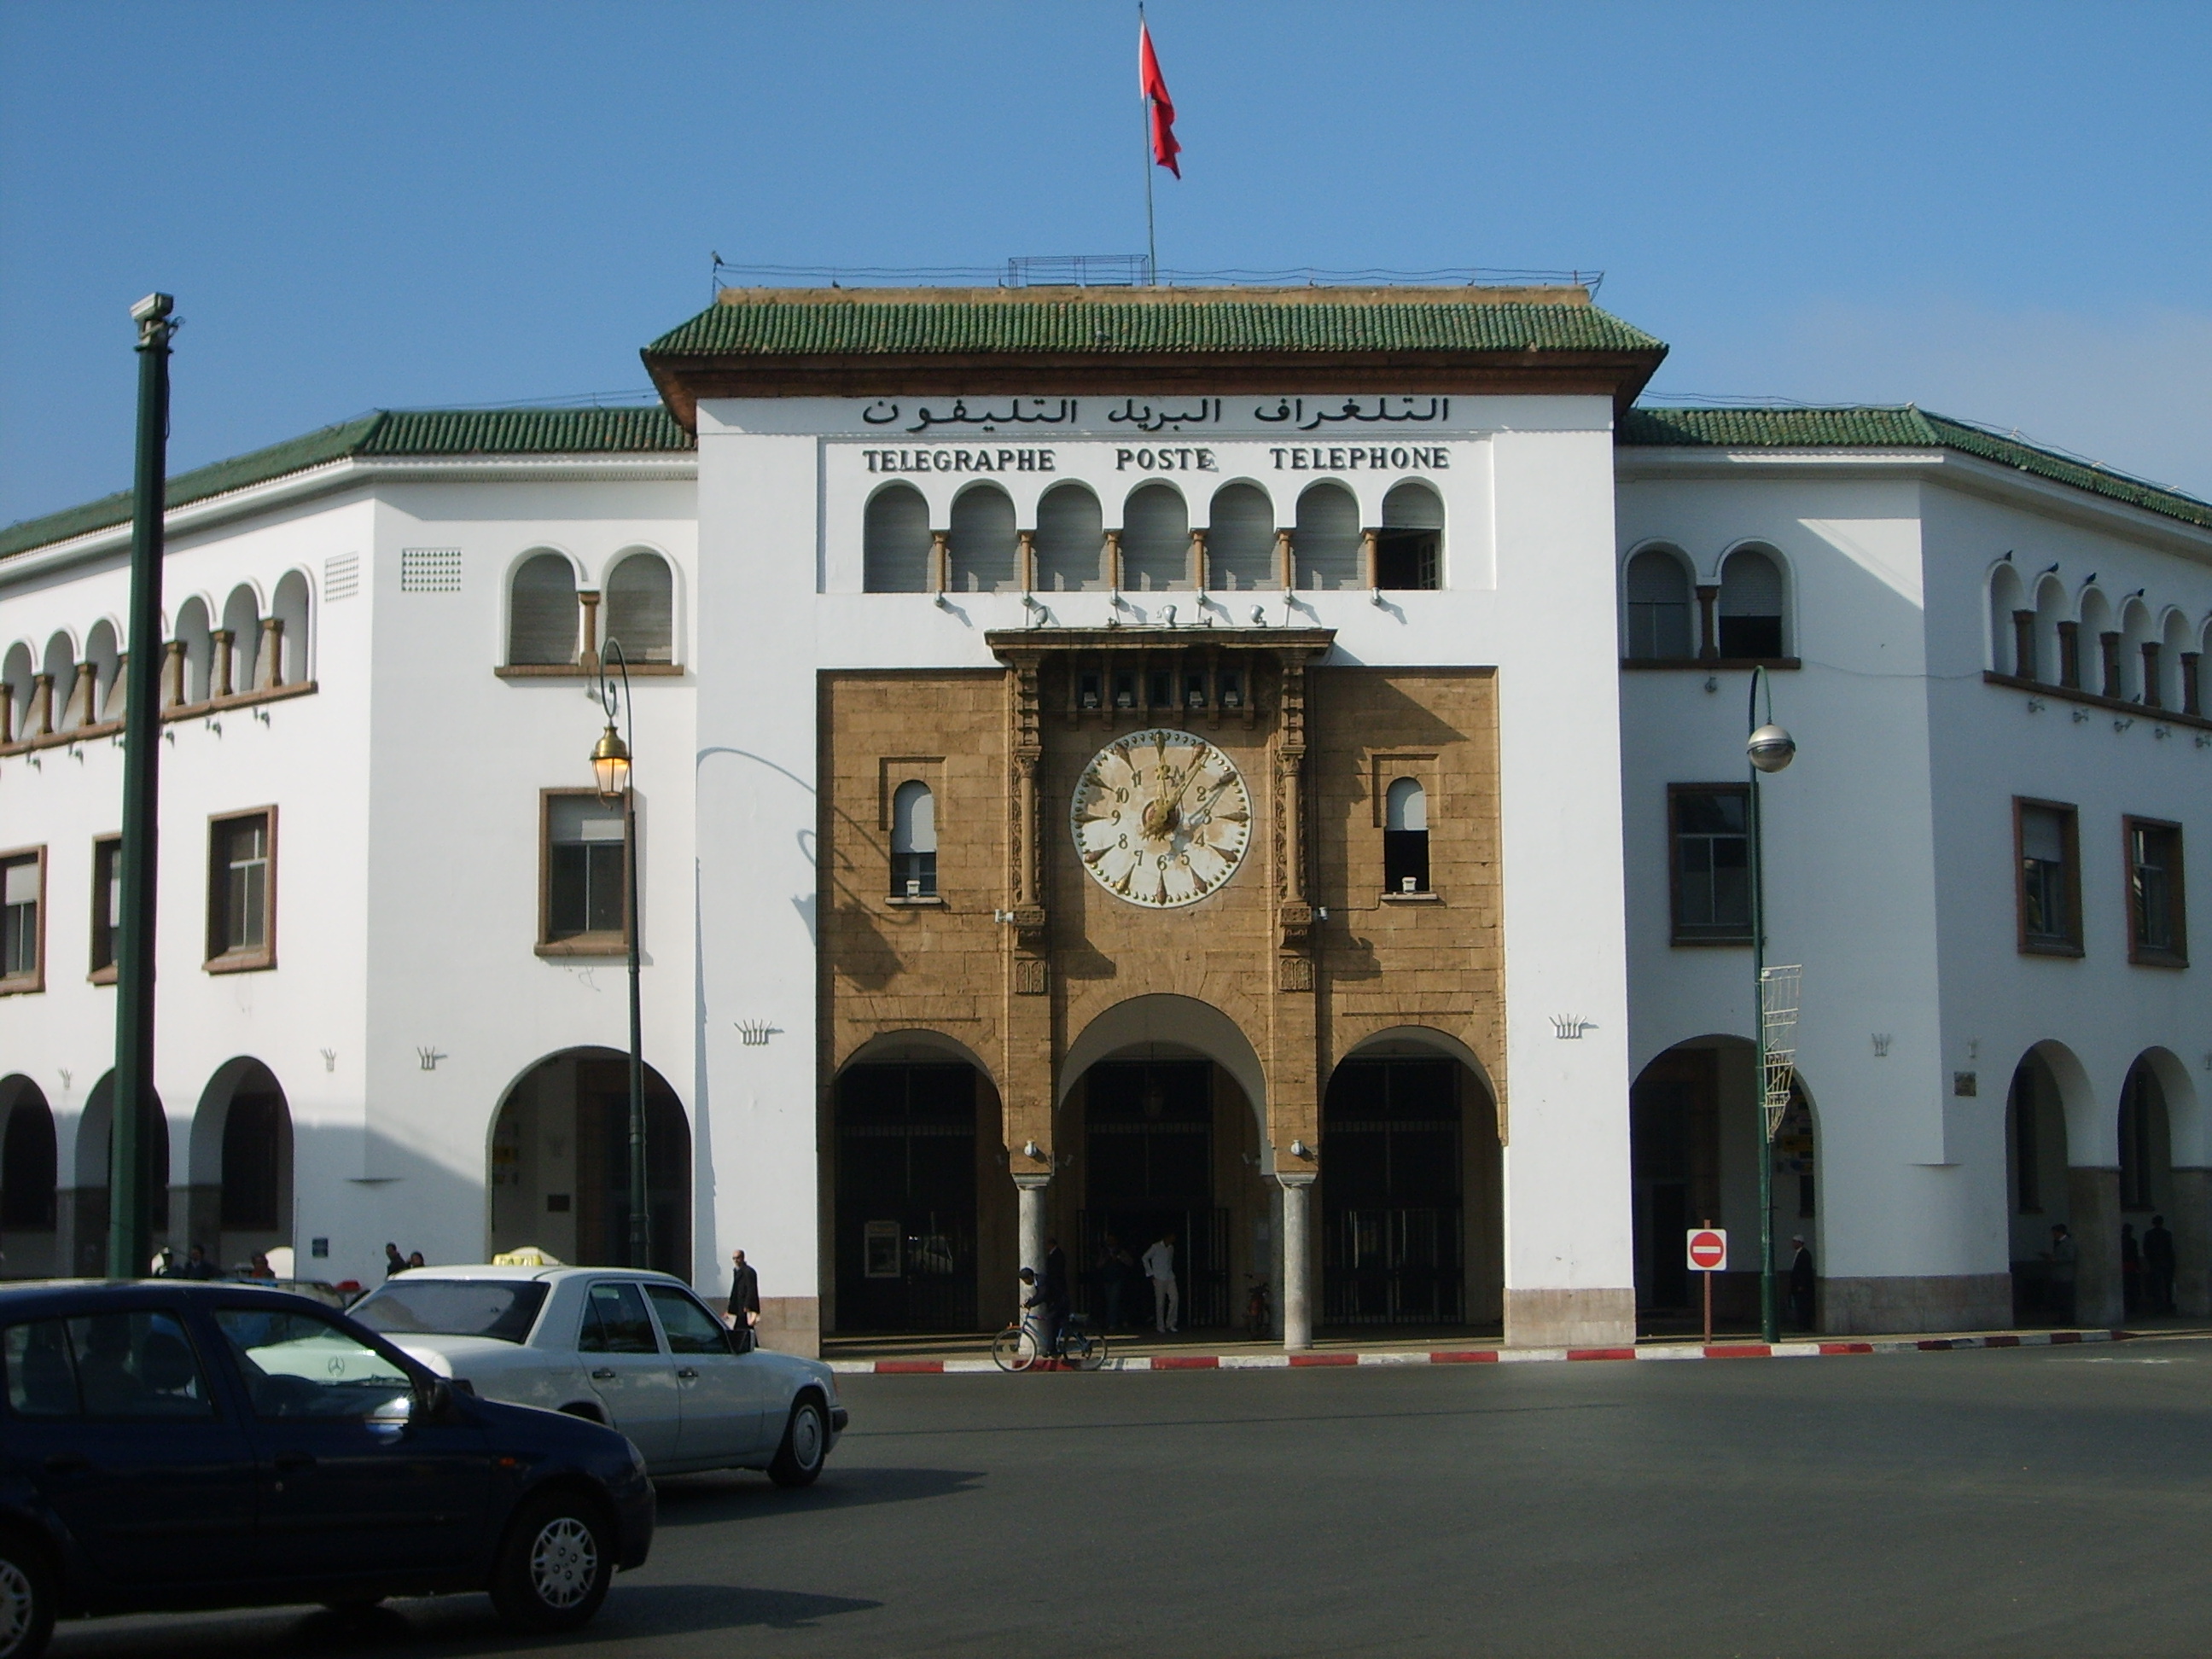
(170,1445)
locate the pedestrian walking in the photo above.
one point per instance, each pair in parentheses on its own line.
(2062,1274)
(2158,1266)
(393,1262)
(1167,1301)
(745,1293)
(1802,1281)
(1052,1293)
(414,1259)
(1112,1276)
(2130,1270)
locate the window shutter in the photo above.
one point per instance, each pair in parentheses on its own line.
(23,882)
(640,608)
(1070,538)
(1240,541)
(1328,539)
(541,627)
(1155,539)
(895,542)
(986,555)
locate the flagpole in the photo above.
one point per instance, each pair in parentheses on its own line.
(1151,236)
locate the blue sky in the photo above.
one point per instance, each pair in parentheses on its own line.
(1998,211)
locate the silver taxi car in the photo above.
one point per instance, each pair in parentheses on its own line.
(635,1350)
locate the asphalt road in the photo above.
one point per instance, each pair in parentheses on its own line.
(2036,1501)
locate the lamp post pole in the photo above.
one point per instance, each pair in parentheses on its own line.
(611,763)
(1769,748)
(129,1233)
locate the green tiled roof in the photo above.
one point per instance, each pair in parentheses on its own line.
(388,432)
(811,323)
(1904,426)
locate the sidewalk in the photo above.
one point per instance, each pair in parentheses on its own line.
(952,1355)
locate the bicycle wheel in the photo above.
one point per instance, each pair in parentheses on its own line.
(1013,1349)
(1093,1353)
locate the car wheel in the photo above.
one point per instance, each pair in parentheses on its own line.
(805,1445)
(27,1599)
(554,1570)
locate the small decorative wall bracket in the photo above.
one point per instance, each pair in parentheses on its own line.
(755,1033)
(330,1059)
(429,1057)
(1568,1029)
(1882,1042)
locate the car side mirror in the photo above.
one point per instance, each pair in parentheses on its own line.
(434,1404)
(741,1338)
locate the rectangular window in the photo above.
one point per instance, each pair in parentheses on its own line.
(2048,855)
(1710,828)
(1407,558)
(582,899)
(2158,935)
(242,891)
(106,905)
(23,921)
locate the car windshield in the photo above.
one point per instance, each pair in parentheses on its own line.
(503,1308)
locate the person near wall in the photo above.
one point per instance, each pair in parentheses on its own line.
(2062,1274)
(1052,1293)
(1112,1274)
(1167,1301)
(2158,1266)
(1801,1281)
(2130,1270)
(745,1293)
(393,1262)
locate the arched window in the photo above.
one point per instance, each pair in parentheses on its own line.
(1070,541)
(1406,837)
(289,605)
(1751,605)
(2009,652)
(541,613)
(1240,540)
(255,1132)
(196,634)
(914,842)
(102,652)
(61,676)
(2055,640)
(986,554)
(241,615)
(1326,541)
(27,1165)
(2138,654)
(2100,646)
(2173,686)
(895,542)
(641,608)
(1658,589)
(17,672)
(1409,551)
(1155,539)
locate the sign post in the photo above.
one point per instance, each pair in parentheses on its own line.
(1708,1248)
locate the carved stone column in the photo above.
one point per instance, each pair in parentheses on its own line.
(1113,571)
(77,710)
(1370,558)
(1197,568)
(173,673)
(589,600)
(6,712)
(2069,655)
(2192,689)
(118,689)
(1286,567)
(270,666)
(1027,556)
(940,560)
(2024,665)
(219,669)
(1298,1261)
(2110,643)
(1032,1230)
(1294,911)
(1708,627)
(2152,694)
(39,718)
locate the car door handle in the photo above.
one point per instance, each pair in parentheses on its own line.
(687,1374)
(294,1461)
(67,1462)
(604,1374)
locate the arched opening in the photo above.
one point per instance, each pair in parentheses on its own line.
(641,607)
(1070,541)
(2100,646)
(2147,1194)
(907,1232)
(1155,539)
(895,542)
(88,1202)
(1658,598)
(2055,638)
(60,671)
(1409,549)
(19,678)
(561,1164)
(1406,837)
(2007,599)
(2173,677)
(984,550)
(1240,540)
(102,652)
(1410,1210)
(241,1191)
(2138,653)
(543,613)
(1751,605)
(288,605)
(196,634)
(1695,1138)
(914,840)
(1326,545)
(241,619)
(28,1181)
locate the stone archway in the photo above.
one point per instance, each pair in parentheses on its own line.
(87,1201)
(28,1181)
(239,1174)
(559,1164)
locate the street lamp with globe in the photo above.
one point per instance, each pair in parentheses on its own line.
(610,773)
(1769,749)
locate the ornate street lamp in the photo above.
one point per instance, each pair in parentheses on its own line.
(610,771)
(1769,748)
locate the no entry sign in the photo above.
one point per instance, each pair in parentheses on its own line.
(1708,1249)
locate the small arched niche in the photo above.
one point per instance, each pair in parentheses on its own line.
(2009,653)
(1240,540)
(196,634)
(541,613)
(1751,605)
(895,543)
(641,607)
(1657,587)
(1070,541)
(1409,549)
(1406,837)
(106,657)
(1155,539)
(241,619)
(20,679)
(1327,542)
(289,605)
(984,550)
(914,840)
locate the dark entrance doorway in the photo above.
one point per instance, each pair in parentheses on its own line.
(603,1168)
(1674,1130)
(1392,1221)
(906,1198)
(1148,1162)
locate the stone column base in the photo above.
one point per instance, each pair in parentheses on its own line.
(1917,1302)
(1571,1319)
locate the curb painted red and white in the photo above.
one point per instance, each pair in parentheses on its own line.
(1331,1358)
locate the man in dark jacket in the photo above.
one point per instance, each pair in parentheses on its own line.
(2158,1266)
(1052,1293)
(745,1293)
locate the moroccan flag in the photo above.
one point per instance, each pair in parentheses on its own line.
(1164,147)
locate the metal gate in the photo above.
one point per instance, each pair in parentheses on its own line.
(1393,1268)
(1201,1264)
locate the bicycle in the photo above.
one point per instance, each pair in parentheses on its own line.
(1020,1347)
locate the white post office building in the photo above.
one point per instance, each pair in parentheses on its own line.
(1260,766)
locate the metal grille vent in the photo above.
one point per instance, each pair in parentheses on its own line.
(429,570)
(341,576)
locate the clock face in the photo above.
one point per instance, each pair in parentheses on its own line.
(1161,819)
